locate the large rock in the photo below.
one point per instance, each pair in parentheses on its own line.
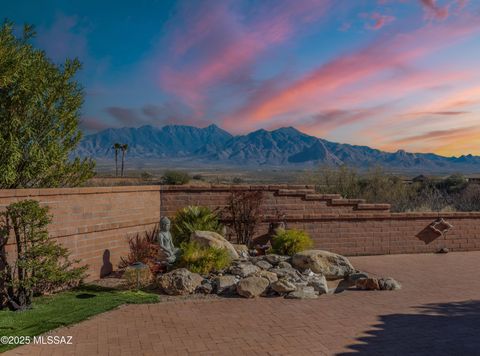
(225,284)
(252,287)
(370,283)
(275,259)
(179,282)
(283,286)
(212,239)
(263,265)
(388,283)
(242,250)
(243,269)
(319,283)
(272,277)
(331,265)
(288,273)
(302,293)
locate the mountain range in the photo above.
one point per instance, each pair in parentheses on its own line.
(280,147)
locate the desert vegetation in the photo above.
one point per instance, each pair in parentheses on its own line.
(40,104)
(41,264)
(452,193)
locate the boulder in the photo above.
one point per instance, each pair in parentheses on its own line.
(212,239)
(179,282)
(319,284)
(274,259)
(329,264)
(263,265)
(243,269)
(242,250)
(284,264)
(283,286)
(205,288)
(367,284)
(272,277)
(350,280)
(225,284)
(388,283)
(288,273)
(252,287)
(302,293)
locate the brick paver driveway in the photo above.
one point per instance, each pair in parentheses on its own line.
(436,313)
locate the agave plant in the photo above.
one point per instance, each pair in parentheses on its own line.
(193,218)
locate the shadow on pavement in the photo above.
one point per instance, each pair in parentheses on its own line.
(437,329)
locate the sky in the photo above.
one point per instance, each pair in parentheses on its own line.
(390,74)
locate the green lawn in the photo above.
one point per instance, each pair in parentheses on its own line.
(50,312)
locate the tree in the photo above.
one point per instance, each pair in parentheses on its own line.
(41,264)
(124,149)
(39,116)
(116,147)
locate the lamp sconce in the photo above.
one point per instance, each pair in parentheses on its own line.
(440,226)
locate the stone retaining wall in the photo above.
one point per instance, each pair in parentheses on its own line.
(96,223)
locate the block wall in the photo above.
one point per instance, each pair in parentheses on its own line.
(96,223)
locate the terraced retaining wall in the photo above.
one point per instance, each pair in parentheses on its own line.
(96,223)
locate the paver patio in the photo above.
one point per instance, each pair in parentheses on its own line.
(436,313)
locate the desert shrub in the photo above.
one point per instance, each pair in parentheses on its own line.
(197,177)
(342,180)
(143,248)
(237,180)
(289,242)
(41,265)
(175,178)
(244,213)
(192,218)
(468,199)
(146,175)
(203,260)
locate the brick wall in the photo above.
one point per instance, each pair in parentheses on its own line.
(96,223)
(346,226)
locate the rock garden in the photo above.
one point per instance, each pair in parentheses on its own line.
(189,256)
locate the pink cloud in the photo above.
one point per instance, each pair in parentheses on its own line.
(221,47)
(433,9)
(384,56)
(379,21)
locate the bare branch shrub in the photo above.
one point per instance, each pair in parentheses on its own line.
(243,214)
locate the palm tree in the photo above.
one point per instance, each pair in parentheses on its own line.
(116,147)
(124,149)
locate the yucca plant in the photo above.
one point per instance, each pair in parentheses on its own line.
(192,218)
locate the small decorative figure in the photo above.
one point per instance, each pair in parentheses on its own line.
(164,238)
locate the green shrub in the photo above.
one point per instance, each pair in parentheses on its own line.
(192,218)
(40,264)
(175,178)
(203,259)
(289,242)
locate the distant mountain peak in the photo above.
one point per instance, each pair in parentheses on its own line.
(278,147)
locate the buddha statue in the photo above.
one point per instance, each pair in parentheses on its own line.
(168,252)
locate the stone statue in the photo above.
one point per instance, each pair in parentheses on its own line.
(168,251)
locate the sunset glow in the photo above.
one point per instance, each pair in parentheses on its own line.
(389,74)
